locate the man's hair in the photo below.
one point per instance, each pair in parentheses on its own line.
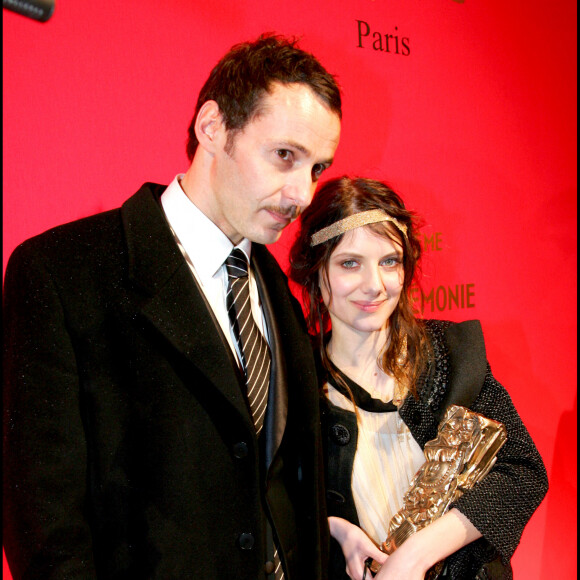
(242,77)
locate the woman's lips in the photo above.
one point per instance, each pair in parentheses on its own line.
(369,306)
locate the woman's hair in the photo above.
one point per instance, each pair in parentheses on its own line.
(336,200)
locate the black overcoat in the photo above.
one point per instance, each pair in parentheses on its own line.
(129,447)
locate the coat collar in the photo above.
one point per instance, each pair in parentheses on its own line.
(173,303)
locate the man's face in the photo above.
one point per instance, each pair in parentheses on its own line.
(268,176)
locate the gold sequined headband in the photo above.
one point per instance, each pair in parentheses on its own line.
(356,220)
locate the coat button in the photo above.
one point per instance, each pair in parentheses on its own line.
(269,567)
(340,434)
(246,541)
(240,450)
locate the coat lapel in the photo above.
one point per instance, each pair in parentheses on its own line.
(175,305)
(277,410)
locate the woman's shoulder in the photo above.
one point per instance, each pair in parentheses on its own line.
(467,334)
(458,361)
(435,325)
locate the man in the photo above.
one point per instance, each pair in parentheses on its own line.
(139,441)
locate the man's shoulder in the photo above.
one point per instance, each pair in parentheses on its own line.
(265,257)
(272,274)
(285,304)
(71,237)
(87,234)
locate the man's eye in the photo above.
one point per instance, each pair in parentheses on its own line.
(317,171)
(284,154)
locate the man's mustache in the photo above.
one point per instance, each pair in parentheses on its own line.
(291,212)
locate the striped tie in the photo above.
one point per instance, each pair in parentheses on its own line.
(254,351)
(252,346)
(278,572)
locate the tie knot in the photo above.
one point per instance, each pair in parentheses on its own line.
(237,264)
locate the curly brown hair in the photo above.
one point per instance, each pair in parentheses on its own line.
(336,200)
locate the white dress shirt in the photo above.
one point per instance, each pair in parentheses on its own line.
(205,248)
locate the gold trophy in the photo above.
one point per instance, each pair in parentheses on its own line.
(462,454)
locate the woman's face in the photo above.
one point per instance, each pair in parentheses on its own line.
(365,277)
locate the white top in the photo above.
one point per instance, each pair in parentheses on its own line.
(387,457)
(206,248)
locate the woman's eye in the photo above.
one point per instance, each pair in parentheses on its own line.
(349,264)
(391,262)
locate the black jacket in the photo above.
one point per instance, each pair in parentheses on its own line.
(500,505)
(129,448)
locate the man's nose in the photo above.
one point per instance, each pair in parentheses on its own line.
(301,188)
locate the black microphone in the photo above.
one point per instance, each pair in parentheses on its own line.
(40,10)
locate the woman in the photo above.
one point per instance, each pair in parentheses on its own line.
(386,381)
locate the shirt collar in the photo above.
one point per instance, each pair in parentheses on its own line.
(206,245)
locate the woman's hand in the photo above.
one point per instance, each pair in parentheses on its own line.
(428,546)
(356,546)
(405,563)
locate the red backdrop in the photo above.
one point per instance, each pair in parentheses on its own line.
(470,112)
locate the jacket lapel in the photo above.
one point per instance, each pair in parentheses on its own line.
(277,410)
(175,305)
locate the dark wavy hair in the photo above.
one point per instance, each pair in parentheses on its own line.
(247,72)
(336,200)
